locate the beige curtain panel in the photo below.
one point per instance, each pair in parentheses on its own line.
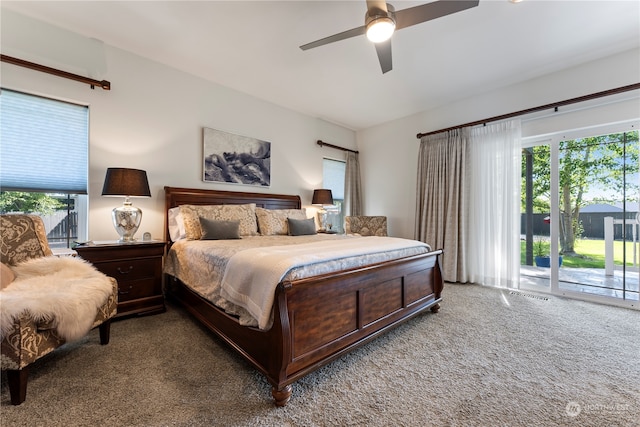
(352,186)
(441,199)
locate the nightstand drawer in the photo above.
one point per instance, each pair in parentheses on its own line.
(130,290)
(130,269)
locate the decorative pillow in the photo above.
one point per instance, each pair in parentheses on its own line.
(274,221)
(245,214)
(176,225)
(6,275)
(219,230)
(301,227)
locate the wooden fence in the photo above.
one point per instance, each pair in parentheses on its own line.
(62,228)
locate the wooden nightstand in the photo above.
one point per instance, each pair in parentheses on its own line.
(137,266)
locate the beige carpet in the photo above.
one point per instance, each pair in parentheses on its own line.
(488,358)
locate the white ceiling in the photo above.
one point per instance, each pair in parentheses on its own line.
(253,47)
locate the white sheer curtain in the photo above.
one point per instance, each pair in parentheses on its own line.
(493,239)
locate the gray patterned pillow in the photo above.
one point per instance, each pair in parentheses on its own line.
(245,214)
(274,221)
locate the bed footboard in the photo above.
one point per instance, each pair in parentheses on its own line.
(330,315)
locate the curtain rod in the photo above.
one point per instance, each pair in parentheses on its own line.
(554,105)
(322,143)
(22,63)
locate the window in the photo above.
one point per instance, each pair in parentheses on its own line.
(333,172)
(44,163)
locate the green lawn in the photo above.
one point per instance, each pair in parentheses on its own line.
(591,254)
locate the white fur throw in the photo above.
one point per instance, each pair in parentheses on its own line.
(67,291)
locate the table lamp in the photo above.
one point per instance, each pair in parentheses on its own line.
(127,183)
(322,197)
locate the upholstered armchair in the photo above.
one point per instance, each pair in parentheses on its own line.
(45,300)
(366,225)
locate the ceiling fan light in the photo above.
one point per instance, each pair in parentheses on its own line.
(380,29)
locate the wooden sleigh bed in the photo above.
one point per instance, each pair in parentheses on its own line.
(317,319)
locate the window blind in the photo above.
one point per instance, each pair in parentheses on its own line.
(44,144)
(333,172)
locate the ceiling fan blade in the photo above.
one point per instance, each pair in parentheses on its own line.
(377,4)
(335,38)
(426,12)
(384,55)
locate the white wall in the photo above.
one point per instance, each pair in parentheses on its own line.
(390,151)
(152,119)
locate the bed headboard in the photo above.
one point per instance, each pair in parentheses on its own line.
(175,196)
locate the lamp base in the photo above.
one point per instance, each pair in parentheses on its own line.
(126,220)
(322,219)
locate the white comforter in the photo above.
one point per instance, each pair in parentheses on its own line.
(252,275)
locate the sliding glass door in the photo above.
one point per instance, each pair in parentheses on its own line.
(580,216)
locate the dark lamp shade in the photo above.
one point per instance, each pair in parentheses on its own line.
(126,182)
(322,197)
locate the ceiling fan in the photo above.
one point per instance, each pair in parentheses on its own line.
(381,20)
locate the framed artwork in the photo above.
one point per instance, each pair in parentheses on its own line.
(235,159)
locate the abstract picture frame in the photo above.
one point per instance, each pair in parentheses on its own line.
(235,159)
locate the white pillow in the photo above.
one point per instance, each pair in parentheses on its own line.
(176,225)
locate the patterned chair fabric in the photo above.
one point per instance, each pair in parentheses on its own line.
(23,237)
(366,225)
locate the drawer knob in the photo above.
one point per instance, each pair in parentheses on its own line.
(122,292)
(121,271)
